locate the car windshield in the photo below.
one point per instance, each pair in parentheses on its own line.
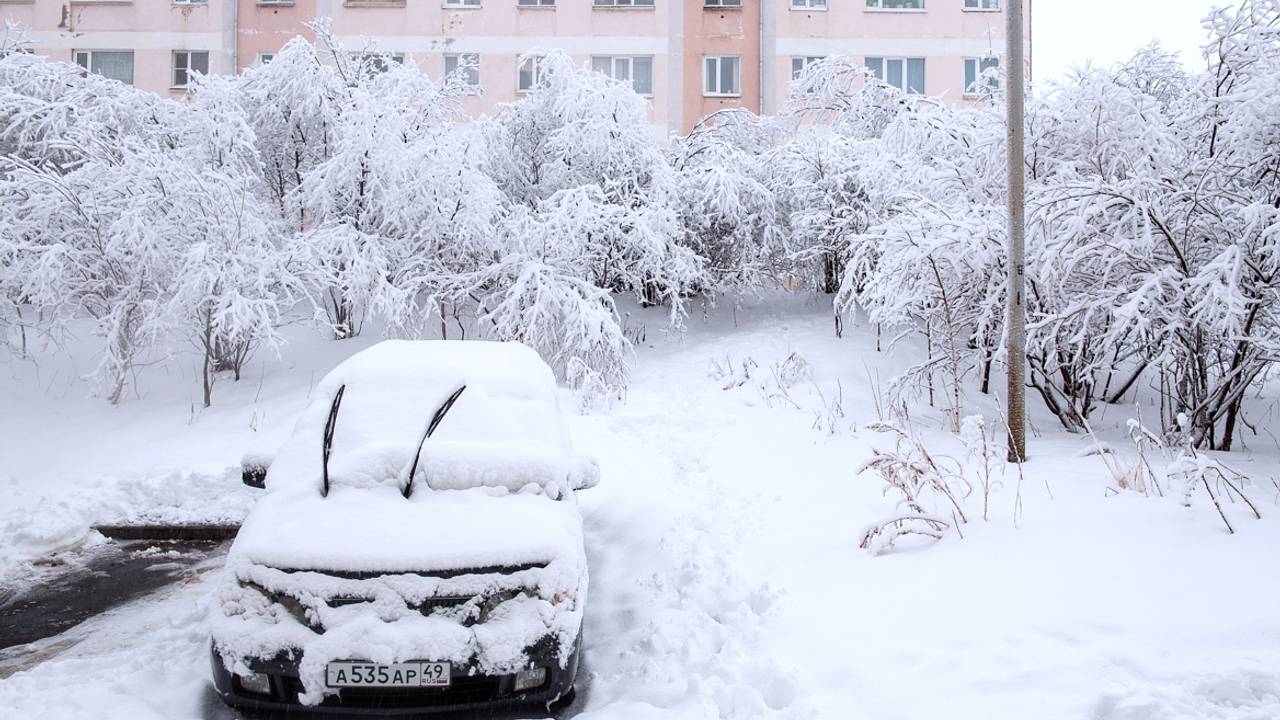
(486,440)
(506,423)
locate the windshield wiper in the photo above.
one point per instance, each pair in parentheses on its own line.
(431,427)
(329,425)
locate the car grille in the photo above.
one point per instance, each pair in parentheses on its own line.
(426,607)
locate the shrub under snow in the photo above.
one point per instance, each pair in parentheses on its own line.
(344,183)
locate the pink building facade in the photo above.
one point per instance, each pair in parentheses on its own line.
(689,58)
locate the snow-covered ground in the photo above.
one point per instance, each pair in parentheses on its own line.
(727,581)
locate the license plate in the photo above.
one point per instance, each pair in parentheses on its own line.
(403,675)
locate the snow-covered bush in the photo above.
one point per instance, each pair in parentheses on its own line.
(580,132)
(839,91)
(1158,228)
(934,262)
(384,191)
(343,179)
(93,248)
(537,292)
(1153,211)
(728,210)
(54,115)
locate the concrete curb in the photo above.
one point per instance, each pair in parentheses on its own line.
(183,533)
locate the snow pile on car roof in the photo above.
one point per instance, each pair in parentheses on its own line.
(504,429)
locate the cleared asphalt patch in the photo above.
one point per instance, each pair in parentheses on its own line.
(110,576)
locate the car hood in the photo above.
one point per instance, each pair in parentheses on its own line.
(378,530)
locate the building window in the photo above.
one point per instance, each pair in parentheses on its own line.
(635,71)
(536,3)
(462,3)
(798,64)
(980,77)
(808,4)
(528,74)
(721,76)
(622,3)
(722,3)
(906,74)
(375,63)
(190,2)
(981,4)
(264,58)
(186,62)
(895,4)
(113,64)
(463,69)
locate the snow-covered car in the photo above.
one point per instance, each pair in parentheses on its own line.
(418,546)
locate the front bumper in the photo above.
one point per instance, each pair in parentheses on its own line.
(465,692)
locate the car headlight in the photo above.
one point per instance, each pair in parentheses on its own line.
(531,678)
(256,683)
(291,604)
(492,602)
(294,607)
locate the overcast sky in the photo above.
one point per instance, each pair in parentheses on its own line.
(1071,32)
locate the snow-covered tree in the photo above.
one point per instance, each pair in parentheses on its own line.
(1174,219)
(536,291)
(926,253)
(94,250)
(56,115)
(579,130)
(727,209)
(841,92)
(231,285)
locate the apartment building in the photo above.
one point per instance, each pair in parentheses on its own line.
(689,58)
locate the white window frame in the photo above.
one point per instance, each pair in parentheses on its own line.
(471,88)
(809,5)
(630,62)
(628,4)
(737,75)
(906,75)
(535,3)
(88,66)
(535,72)
(977,89)
(878,6)
(800,62)
(722,4)
(981,6)
(173,67)
(462,4)
(190,2)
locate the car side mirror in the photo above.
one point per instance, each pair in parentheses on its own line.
(584,473)
(253,469)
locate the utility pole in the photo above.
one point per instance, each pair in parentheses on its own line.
(1015,318)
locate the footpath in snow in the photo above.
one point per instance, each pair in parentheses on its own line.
(727,581)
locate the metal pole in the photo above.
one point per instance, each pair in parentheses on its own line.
(1015,319)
